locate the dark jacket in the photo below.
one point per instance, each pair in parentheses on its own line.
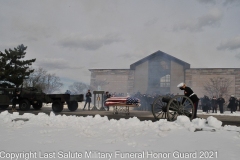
(232,102)
(220,101)
(205,101)
(16,96)
(214,102)
(189,93)
(88,97)
(107,96)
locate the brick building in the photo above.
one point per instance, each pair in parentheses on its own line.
(160,73)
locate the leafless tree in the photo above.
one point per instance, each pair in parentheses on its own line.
(48,83)
(52,84)
(36,79)
(78,88)
(96,83)
(218,86)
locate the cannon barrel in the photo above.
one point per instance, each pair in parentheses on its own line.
(166,99)
(172,107)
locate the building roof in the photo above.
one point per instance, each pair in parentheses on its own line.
(106,69)
(162,54)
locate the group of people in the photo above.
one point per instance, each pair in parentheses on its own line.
(212,104)
(187,92)
(209,105)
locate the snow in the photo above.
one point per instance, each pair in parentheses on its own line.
(237,113)
(53,136)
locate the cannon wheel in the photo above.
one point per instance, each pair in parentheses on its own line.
(180,105)
(159,108)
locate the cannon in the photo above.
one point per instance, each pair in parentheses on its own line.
(167,107)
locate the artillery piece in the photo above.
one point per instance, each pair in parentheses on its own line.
(166,107)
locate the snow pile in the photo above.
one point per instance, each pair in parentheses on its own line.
(52,136)
(213,122)
(199,123)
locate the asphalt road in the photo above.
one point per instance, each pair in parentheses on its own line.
(141,115)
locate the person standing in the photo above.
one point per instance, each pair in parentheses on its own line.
(232,103)
(88,99)
(214,104)
(208,104)
(205,103)
(220,102)
(189,93)
(106,96)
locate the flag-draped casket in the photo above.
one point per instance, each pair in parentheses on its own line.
(114,101)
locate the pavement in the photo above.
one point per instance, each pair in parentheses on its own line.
(227,118)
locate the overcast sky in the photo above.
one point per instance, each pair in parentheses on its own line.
(68,37)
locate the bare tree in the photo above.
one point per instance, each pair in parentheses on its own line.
(44,81)
(36,79)
(218,86)
(78,88)
(52,84)
(96,83)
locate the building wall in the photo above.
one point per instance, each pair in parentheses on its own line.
(158,67)
(130,87)
(177,76)
(141,78)
(198,78)
(145,74)
(115,80)
(144,79)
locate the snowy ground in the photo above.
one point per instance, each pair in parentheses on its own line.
(228,113)
(71,137)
